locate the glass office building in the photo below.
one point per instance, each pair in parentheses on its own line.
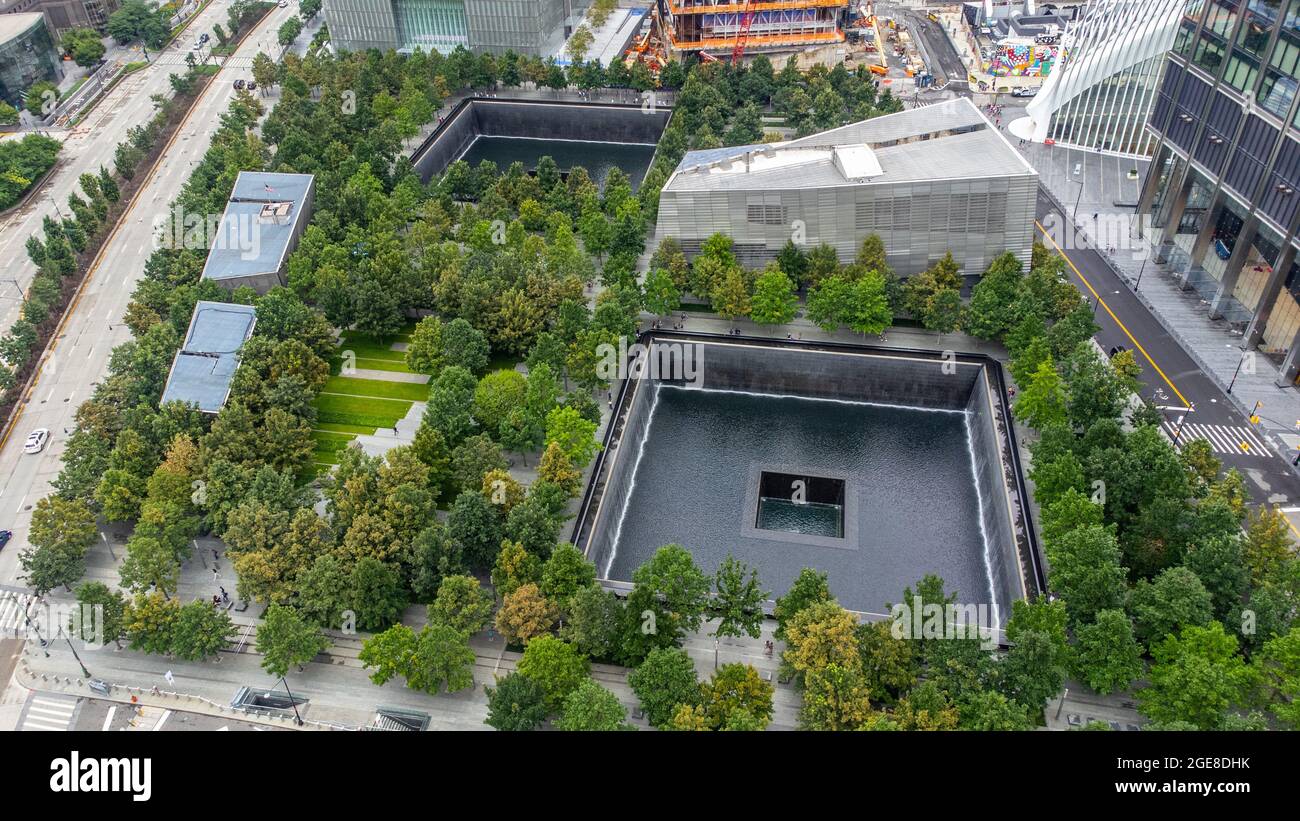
(1221,200)
(27,55)
(526,26)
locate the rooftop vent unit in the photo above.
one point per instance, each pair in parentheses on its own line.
(276,212)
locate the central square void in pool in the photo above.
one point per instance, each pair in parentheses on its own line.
(798,503)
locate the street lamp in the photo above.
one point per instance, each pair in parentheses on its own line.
(45,645)
(1179,431)
(1078,169)
(1244,354)
(292,702)
(68,639)
(1137,285)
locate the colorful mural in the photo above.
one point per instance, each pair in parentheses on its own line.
(1022,60)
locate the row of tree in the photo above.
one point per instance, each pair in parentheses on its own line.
(1144,540)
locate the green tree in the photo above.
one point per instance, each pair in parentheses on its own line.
(1042,402)
(736,688)
(200,631)
(1086,572)
(1108,657)
(1268,544)
(575,436)
(462,604)
(565,573)
(443,661)
(809,588)
(288,31)
(868,310)
(41,98)
(149,621)
(827,302)
(729,297)
(61,531)
(108,608)
(835,698)
(591,707)
(672,577)
(517,703)
(774,301)
(285,640)
(738,600)
(1279,671)
(593,621)
(1197,676)
(1174,600)
(557,667)
(663,682)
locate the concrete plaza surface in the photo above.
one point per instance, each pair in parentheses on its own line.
(339,693)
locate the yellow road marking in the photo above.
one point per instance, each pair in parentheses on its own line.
(1103,304)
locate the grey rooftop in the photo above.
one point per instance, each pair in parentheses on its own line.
(206,363)
(259,221)
(946,141)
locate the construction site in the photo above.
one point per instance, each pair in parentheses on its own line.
(817,31)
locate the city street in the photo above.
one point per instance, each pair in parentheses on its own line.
(86,147)
(79,355)
(1173,379)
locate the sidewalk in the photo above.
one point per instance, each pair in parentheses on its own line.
(1108,192)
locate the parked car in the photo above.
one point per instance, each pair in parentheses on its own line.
(251,86)
(284,4)
(198,44)
(239,84)
(1023,92)
(5,536)
(36,440)
(204,37)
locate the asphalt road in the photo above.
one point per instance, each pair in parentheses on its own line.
(93,327)
(87,147)
(1171,378)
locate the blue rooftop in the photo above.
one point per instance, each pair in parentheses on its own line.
(258,223)
(206,363)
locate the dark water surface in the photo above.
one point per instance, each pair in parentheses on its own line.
(597,157)
(908,483)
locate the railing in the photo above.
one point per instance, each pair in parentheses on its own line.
(759,40)
(765,5)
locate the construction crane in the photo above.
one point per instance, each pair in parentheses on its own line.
(746,18)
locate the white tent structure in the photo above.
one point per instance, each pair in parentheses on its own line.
(1103,86)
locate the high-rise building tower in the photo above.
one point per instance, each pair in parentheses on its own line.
(1221,201)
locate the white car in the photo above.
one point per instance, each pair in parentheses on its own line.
(284,4)
(36,440)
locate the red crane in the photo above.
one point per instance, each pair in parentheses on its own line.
(746,18)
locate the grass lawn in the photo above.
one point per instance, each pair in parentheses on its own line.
(369,350)
(326,427)
(360,410)
(354,386)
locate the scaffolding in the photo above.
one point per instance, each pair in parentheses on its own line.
(724,26)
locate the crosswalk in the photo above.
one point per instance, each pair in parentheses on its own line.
(1224,439)
(48,713)
(12,606)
